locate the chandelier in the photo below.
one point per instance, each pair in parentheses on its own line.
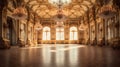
(59,17)
(81,27)
(107,11)
(59,25)
(19,13)
(38,26)
(59,2)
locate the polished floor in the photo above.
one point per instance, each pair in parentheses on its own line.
(69,55)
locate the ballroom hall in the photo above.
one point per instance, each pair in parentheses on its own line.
(59,33)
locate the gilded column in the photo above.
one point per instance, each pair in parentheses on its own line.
(66,32)
(1,24)
(89,37)
(95,22)
(53,32)
(1,19)
(3,43)
(119,23)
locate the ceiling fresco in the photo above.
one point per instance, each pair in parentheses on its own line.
(44,9)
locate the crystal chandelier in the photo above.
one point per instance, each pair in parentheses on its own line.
(81,27)
(59,2)
(38,26)
(19,13)
(107,11)
(59,17)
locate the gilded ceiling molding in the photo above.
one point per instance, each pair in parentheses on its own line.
(39,7)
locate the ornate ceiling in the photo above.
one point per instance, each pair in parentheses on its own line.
(44,9)
(73,10)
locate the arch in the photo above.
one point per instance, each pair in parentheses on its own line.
(46,33)
(10,31)
(73,33)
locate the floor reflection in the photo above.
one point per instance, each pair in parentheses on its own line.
(73,55)
(46,54)
(60,56)
(70,55)
(59,52)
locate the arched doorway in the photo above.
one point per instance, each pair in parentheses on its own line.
(11,34)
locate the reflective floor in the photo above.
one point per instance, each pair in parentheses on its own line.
(69,55)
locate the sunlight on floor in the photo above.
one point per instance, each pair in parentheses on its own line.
(56,47)
(57,53)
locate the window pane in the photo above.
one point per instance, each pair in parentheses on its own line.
(75,36)
(46,33)
(73,33)
(60,34)
(57,36)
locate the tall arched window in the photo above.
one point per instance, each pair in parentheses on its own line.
(46,33)
(73,33)
(59,33)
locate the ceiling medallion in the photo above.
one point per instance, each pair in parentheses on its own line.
(107,11)
(19,13)
(59,2)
